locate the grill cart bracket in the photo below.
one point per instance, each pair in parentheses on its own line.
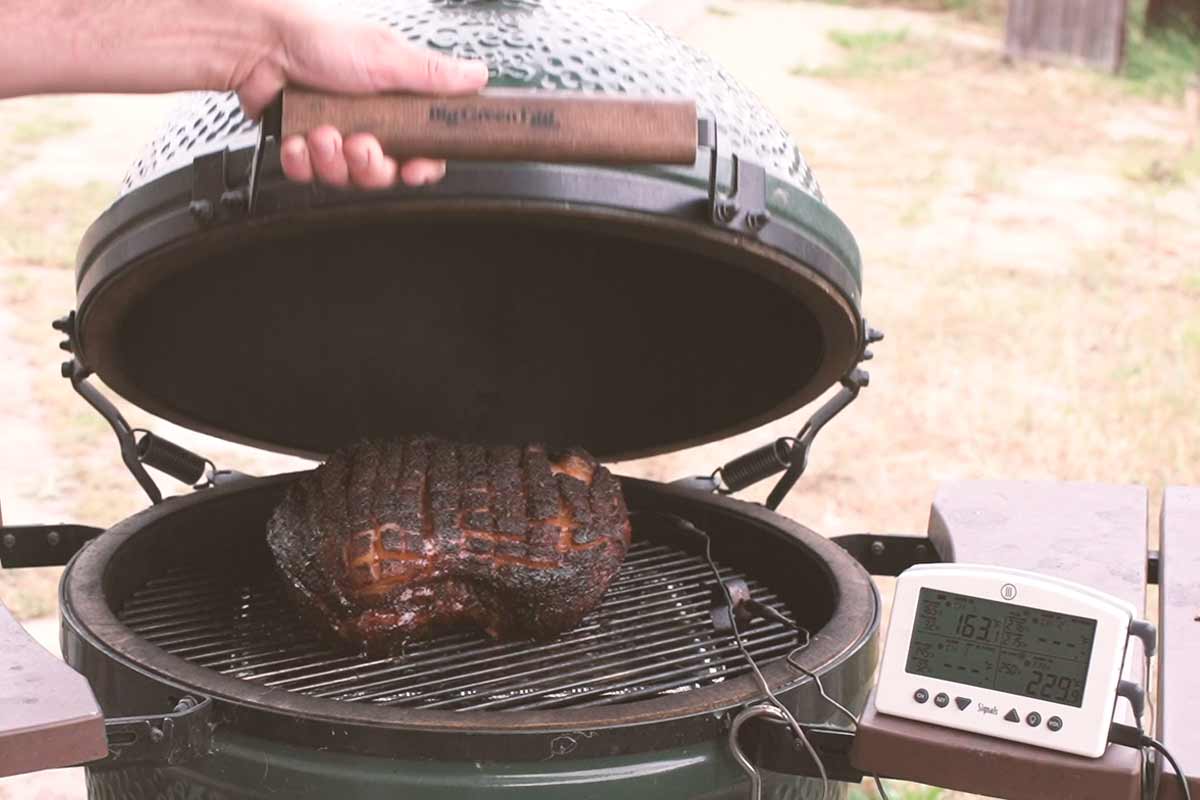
(42,545)
(889,554)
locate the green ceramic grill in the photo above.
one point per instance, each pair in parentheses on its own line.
(629,309)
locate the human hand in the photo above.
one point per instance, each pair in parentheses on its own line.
(255,47)
(337,55)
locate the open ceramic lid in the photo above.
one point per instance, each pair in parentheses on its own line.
(588,305)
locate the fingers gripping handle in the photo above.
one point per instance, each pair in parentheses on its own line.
(508,125)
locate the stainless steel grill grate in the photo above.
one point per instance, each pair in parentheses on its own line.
(651,635)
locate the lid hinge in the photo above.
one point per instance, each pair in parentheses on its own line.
(165,739)
(744,208)
(788,455)
(137,453)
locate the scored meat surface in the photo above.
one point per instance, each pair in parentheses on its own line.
(396,540)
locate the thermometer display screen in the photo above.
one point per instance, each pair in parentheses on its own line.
(1002,646)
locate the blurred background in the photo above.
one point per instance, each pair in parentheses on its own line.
(1029,221)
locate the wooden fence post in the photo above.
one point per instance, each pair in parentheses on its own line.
(1090,31)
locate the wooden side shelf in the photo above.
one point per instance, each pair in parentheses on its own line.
(1179,637)
(48,715)
(968,762)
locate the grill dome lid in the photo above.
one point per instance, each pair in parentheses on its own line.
(600,306)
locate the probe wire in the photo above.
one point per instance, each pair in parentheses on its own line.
(1150,741)
(763,686)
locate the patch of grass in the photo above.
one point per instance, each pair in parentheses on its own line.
(871,54)
(1160,164)
(30,593)
(1191,338)
(719,11)
(992,177)
(927,188)
(17,286)
(988,11)
(42,222)
(896,791)
(28,123)
(978,10)
(1128,372)
(35,130)
(1158,66)
(918,213)
(867,41)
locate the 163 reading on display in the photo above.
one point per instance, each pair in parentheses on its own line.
(1002,646)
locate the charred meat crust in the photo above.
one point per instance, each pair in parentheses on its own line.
(391,541)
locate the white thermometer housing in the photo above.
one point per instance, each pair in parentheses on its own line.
(1005,653)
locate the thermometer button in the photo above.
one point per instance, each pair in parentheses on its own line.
(1034,719)
(1054,724)
(942,700)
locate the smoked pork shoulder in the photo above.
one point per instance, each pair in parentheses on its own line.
(397,540)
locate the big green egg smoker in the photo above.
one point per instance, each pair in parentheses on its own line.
(630,310)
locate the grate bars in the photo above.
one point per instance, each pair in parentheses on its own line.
(651,635)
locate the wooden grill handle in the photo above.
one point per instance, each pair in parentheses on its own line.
(508,125)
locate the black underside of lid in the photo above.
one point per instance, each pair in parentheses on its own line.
(306,336)
(610,308)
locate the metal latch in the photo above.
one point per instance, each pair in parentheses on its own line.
(175,738)
(744,208)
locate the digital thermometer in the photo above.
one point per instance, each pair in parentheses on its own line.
(1005,653)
